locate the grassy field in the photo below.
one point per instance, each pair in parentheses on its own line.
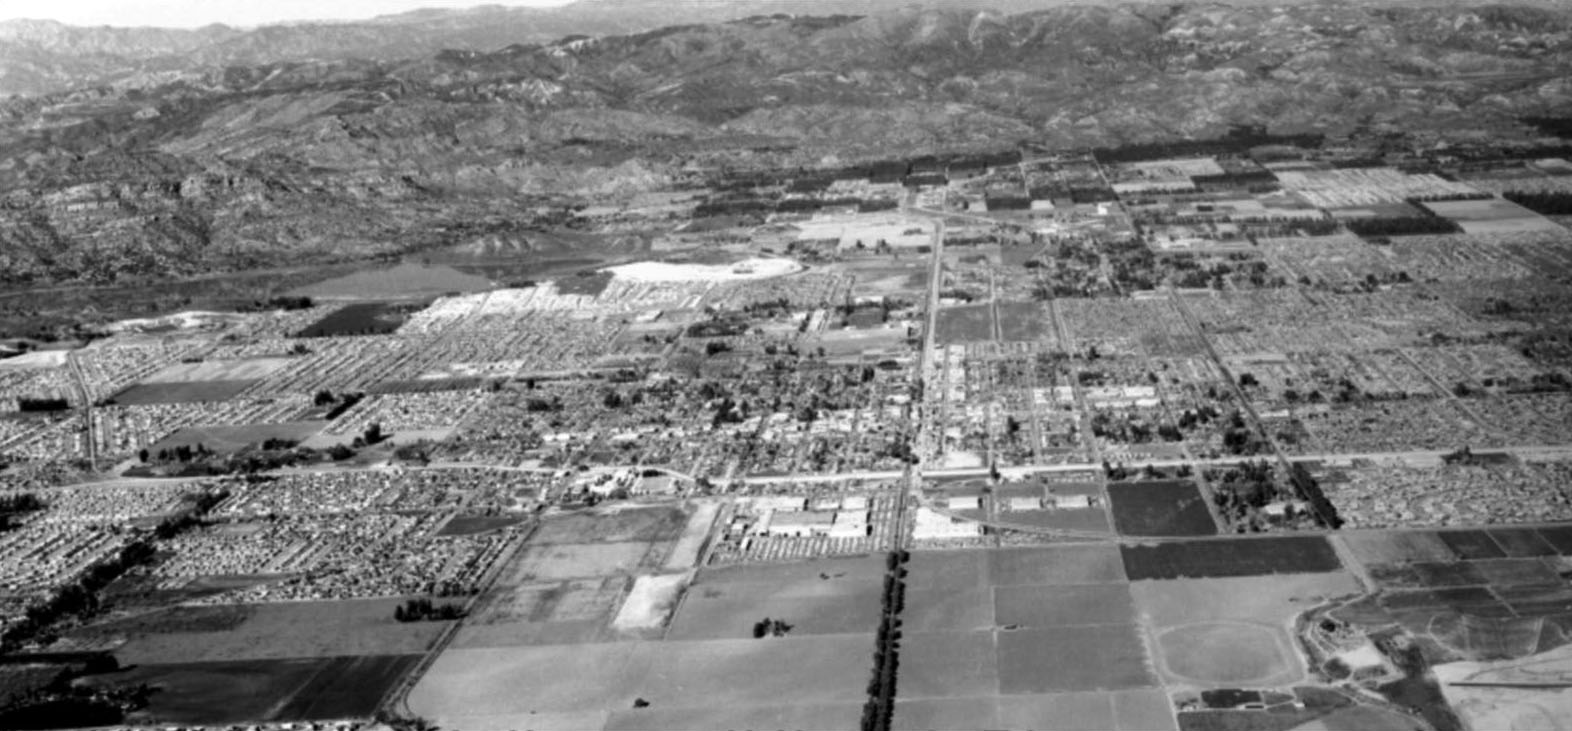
(821,678)
(1107,657)
(728,610)
(228,439)
(469,525)
(1228,654)
(1025,321)
(578,610)
(605,526)
(1217,558)
(249,369)
(1160,508)
(1059,606)
(271,631)
(548,562)
(964,324)
(215,693)
(143,394)
(1395,547)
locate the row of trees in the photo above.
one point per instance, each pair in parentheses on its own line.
(423,610)
(879,709)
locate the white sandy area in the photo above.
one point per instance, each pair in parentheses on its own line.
(1529,708)
(652,599)
(181,320)
(659,271)
(686,553)
(36,359)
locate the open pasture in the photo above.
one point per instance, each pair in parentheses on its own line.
(219,693)
(728,610)
(1267,600)
(1127,710)
(1373,547)
(1160,508)
(1024,321)
(1055,566)
(554,561)
(805,716)
(248,369)
(143,394)
(689,681)
(1471,544)
(964,324)
(648,525)
(1236,557)
(1030,607)
(271,632)
(578,610)
(469,525)
(1106,657)
(1233,631)
(1228,654)
(228,439)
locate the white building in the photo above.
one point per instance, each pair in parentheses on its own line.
(965,502)
(932,525)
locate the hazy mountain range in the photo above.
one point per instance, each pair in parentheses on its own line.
(220,149)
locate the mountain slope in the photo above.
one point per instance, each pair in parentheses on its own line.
(294,161)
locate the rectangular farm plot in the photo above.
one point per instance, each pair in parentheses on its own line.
(1060,710)
(1160,508)
(1099,657)
(1522,542)
(1396,547)
(144,394)
(943,571)
(1491,215)
(1056,566)
(945,610)
(649,525)
(1230,557)
(577,610)
(947,665)
(1031,607)
(1471,544)
(729,610)
(548,562)
(229,439)
(835,715)
(283,630)
(745,673)
(248,369)
(1024,321)
(219,693)
(505,685)
(925,714)
(1559,537)
(964,324)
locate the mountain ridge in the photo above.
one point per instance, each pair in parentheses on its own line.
(288,161)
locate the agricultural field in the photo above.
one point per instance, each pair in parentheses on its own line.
(273,691)
(707,669)
(1160,509)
